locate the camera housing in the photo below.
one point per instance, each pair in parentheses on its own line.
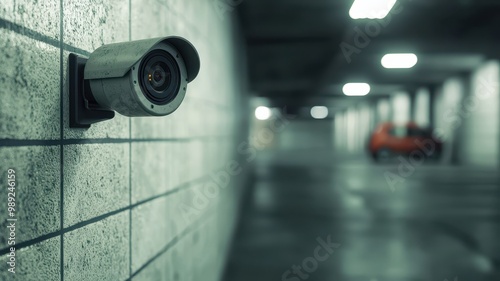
(138,78)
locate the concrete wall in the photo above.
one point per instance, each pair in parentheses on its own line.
(130,198)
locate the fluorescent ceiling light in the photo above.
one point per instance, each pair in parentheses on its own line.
(399,60)
(319,112)
(262,113)
(356,89)
(371,9)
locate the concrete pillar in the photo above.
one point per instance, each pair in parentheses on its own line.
(447,115)
(383,111)
(422,108)
(481,114)
(401,104)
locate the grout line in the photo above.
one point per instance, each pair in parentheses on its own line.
(192,227)
(30,33)
(101,217)
(130,201)
(159,254)
(61,168)
(55,142)
(171,191)
(32,242)
(130,161)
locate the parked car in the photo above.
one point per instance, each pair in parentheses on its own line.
(390,139)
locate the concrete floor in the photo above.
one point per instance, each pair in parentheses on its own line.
(437,223)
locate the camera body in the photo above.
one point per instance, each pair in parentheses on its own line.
(142,78)
(137,78)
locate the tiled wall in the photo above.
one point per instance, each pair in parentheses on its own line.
(130,198)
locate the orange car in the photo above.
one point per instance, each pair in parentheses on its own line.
(389,139)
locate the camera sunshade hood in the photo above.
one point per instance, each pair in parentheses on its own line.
(115,60)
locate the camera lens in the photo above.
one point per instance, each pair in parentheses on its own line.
(160,77)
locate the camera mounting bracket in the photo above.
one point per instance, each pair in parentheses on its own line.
(83,109)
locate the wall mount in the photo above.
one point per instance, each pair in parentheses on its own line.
(83,109)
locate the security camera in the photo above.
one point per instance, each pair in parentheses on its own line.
(138,78)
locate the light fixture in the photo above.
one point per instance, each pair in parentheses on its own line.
(356,89)
(262,113)
(371,9)
(319,112)
(399,60)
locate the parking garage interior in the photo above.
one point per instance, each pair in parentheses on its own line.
(406,216)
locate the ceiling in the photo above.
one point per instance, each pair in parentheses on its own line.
(295,56)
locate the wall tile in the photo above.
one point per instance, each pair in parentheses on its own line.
(40,16)
(159,269)
(173,151)
(151,167)
(30,107)
(99,251)
(154,221)
(89,24)
(94,185)
(37,190)
(143,26)
(38,262)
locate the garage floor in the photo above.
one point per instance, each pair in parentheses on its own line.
(315,216)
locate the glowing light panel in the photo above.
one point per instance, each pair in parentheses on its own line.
(371,9)
(399,60)
(356,89)
(319,112)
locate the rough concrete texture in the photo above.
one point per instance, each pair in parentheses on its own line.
(197,116)
(99,251)
(29,75)
(35,263)
(94,187)
(193,203)
(151,158)
(141,10)
(180,221)
(200,165)
(195,256)
(183,118)
(159,269)
(152,155)
(186,122)
(89,24)
(152,229)
(36,193)
(27,13)
(178,153)
(151,127)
